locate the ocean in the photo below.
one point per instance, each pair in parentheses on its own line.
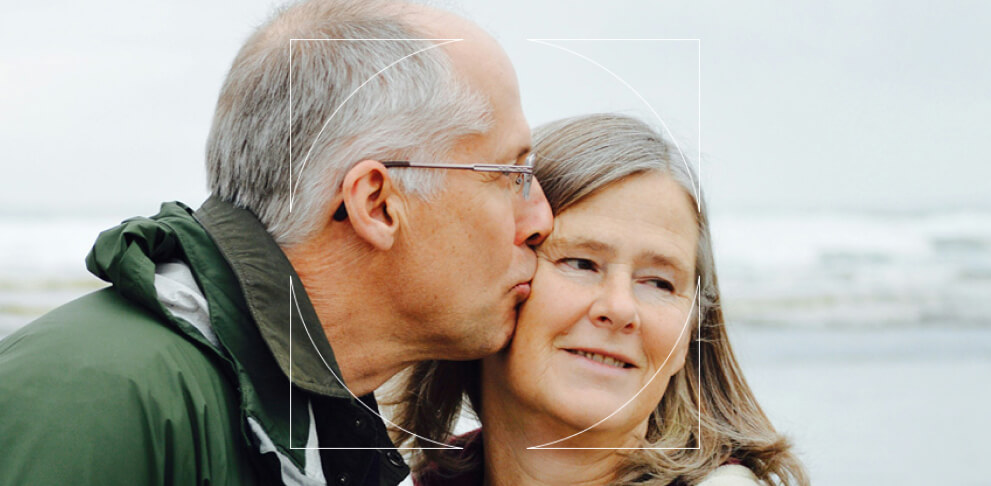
(42,264)
(855,269)
(783,269)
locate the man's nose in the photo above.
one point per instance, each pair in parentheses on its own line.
(534,220)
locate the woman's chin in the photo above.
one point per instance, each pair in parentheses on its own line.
(599,424)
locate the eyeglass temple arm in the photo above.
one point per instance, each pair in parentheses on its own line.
(477,167)
(523,169)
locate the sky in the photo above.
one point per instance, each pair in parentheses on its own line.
(105,106)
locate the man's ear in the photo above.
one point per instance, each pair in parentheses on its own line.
(372,203)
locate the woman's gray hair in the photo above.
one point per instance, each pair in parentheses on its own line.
(343,111)
(572,163)
(575,158)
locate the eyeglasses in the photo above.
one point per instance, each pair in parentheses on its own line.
(524,175)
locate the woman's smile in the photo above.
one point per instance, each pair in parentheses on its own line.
(609,315)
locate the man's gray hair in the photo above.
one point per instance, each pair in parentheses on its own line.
(344,110)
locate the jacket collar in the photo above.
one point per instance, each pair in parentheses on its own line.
(275,298)
(247,282)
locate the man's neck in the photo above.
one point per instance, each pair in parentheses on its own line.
(368,338)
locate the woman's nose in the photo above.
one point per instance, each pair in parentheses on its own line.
(615,306)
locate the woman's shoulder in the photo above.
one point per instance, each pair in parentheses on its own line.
(731,475)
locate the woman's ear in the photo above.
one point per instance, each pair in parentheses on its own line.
(372,204)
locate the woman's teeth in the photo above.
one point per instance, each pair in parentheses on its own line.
(600,358)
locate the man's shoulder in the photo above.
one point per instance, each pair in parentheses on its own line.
(101,341)
(100,330)
(100,381)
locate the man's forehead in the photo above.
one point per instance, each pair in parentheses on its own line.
(435,23)
(476,47)
(480,62)
(493,148)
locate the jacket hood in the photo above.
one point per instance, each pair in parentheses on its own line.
(125,255)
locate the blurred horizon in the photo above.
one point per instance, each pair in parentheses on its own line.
(785,269)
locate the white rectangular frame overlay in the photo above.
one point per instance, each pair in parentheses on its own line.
(292,304)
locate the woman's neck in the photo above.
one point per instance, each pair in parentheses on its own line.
(510,429)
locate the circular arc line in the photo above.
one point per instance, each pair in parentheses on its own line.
(696,185)
(309,151)
(292,292)
(688,317)
(696,448)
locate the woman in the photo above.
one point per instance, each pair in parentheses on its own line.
(620,360)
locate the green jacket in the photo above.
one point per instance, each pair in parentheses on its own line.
(126,385)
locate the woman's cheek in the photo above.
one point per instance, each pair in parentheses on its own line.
(669,332)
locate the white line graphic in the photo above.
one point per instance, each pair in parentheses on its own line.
(292,293)
(696,185)
(688,318)
(292,188)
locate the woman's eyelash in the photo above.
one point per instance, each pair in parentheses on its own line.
(662,284)
(586,265)
(579,263)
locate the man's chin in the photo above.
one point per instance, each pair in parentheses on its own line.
(497,341)
(510,332)
(479,343)
(501,341)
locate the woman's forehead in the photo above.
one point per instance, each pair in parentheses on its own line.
(645,216)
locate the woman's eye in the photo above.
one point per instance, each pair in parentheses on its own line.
(661,284)
(579,263)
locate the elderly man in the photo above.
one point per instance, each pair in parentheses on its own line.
(371,207)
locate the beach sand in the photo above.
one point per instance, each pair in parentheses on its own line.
(884,406)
